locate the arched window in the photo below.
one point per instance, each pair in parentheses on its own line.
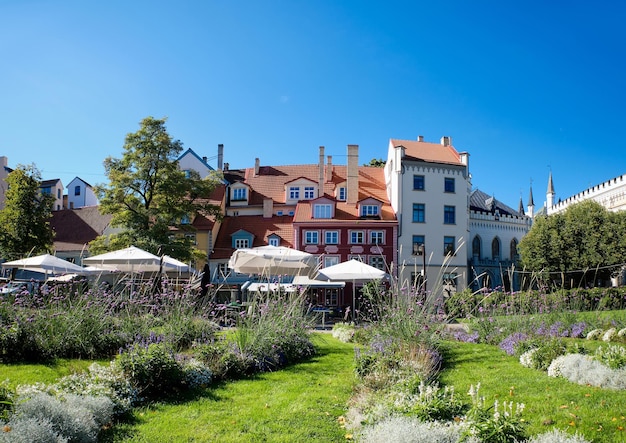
(513,250)
(476,247)
(495,249)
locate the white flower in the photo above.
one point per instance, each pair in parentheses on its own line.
(593,334)
(622,333)
(609,334)
(554,370)
(526,359)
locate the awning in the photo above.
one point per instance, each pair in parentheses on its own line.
(272,287)
(303,280)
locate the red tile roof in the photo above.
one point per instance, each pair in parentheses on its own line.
(257,225)
(74,228)
(429,152)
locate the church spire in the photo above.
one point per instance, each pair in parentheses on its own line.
(521,206)
(531,202)
(550,194)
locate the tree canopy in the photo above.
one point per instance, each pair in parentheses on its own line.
(586,241)
(150,197)
(25,220)
(376,162)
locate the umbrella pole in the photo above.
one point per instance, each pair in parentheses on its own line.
(353,298)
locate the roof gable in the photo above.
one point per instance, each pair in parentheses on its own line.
(428,152)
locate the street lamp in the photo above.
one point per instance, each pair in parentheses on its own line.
(418,249)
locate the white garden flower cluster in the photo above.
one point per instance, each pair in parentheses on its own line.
(526,359)
(585,370)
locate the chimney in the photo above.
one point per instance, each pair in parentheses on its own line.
(464,157)
(320,191)
(220,156)
(329,168)
(268,208)
(226,165)
(446,141)
(204,159)
(257,166)
(353,175)
(420,138)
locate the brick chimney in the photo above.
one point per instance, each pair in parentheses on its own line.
(220,156)
(329,168)
(257,166)
(420,138)
(268,208)
(353,175)
(320,191)
(446,141)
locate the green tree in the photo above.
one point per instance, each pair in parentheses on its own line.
(25,220)
(150,197)
(584,242)
(376,162)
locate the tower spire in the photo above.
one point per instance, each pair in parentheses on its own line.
(550,194)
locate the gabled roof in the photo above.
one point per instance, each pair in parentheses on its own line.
(371,185)
(258,226)
(200,159)
(428,152)
(481,202)
(76,227)
(51,182)
(78,178)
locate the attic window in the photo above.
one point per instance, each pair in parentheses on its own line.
(239,194)
(341,194)
(322,211)
(370,211)
(273,241)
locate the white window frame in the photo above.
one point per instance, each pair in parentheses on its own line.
(333,236)
(294,193)
(309,192)
(377,237)
(357,237)
(331,260)
(239,194)
(322,211)
(370,210)
(242,243)
(311,237)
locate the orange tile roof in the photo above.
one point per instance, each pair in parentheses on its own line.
(428,152)
(257,225)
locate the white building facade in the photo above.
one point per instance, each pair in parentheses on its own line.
(428,185)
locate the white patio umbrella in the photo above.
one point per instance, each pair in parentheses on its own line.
(134,259)
(46,264)
(354,271)
(272,260)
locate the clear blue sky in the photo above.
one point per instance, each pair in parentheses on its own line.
(524,87)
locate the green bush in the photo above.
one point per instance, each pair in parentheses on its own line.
(153,370)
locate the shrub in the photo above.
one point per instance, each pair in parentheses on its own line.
(584,370)
(613,356)
(542,355)
(411,430)
(30,430)
(76,418)
(152,370)
(432,403)
(224,360)
(557,436)
(343,331)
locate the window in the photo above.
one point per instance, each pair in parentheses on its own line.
(242,243)
(239,194)
(449,216)
(187,173)
(369,210)
(76,190)
(331,260)
(185,220)
(321,211)
(356,237)
(513,253)
(291,213)
(449,278)
(192,238)
(46,191)
(311,237)
(294,193)
(309,192)
(495,249)
(418,244)
(476,247)
(341,195)
(223,269)
(377,262)
(448,184)
(58,193)
(448,245)
(419,213)
(331,237)
(377,237)
(418,182)
(273,241)
(279,213)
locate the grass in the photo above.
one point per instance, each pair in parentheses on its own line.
(598,414)
(302,402)
(28,374)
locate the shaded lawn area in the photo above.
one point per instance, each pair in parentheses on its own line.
(598,414)
(301,403)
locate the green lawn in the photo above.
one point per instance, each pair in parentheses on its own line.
(598,414)
(301,403)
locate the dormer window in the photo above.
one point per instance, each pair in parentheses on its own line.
(294,193)
(309,192)
(273,241)
(370,211)
(239,194)
(322,211)
(341,194)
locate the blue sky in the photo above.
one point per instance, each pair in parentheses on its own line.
(524,87)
